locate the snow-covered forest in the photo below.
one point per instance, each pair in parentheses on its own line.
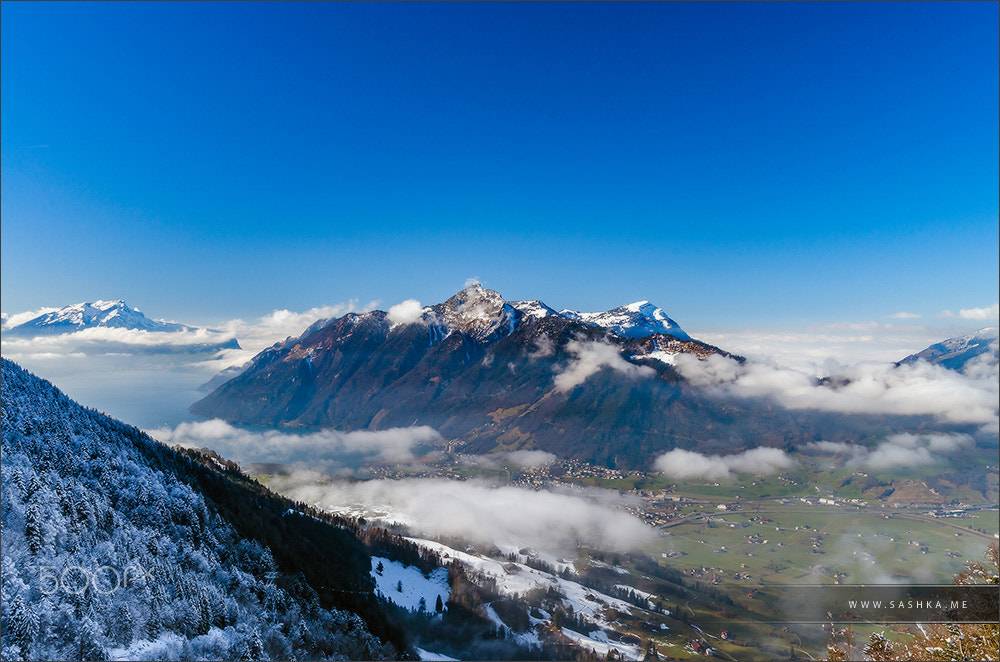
(116,547)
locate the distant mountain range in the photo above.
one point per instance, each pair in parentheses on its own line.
(90,315)
(492,375)
(111,315)
(963,352)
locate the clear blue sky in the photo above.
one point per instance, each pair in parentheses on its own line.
(734,163)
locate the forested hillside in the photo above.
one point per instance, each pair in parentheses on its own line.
(115,546)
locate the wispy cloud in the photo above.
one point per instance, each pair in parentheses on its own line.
(10,320)
(591,356)
(987,313)
(688,464)
(281,324)
(329,450)
(900,450)
(528,459)
(904,316)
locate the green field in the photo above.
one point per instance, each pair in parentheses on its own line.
(867,547)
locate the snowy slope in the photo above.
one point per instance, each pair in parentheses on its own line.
(534,308)
(513,579)
(476,312)
(964,353)
(406,586)
(634,320)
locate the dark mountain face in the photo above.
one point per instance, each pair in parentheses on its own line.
(490,377)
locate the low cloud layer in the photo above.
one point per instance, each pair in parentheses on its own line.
(808,348)
(103,340)
(918,388)
(591,356)
(683,464)
(526,459)
(900,450)
(328,450)
(552,522)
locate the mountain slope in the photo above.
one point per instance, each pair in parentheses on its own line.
(963,353)
(114,545)
(490,375)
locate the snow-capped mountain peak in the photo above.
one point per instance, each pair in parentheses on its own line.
(90,314)
(634,320)
(477,312)
(534,308)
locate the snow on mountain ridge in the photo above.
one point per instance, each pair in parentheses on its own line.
(971,352)
(634,320)
(479,313)
(87,315)
(534,308)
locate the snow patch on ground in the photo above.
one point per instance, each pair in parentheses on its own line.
(670,358)
(405,585)
(601,645)
(428,656)
(560,564)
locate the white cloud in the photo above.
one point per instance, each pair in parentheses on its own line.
(473,280)
(986,313)
(326,449)
(689,464)
(20,318)
(591,356)
(406,312)
(280,324)
(530,459)
(547,521)
(899,450)
(918,388)
(544,347)
(904,316)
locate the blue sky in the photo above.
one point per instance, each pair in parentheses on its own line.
(737,164)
